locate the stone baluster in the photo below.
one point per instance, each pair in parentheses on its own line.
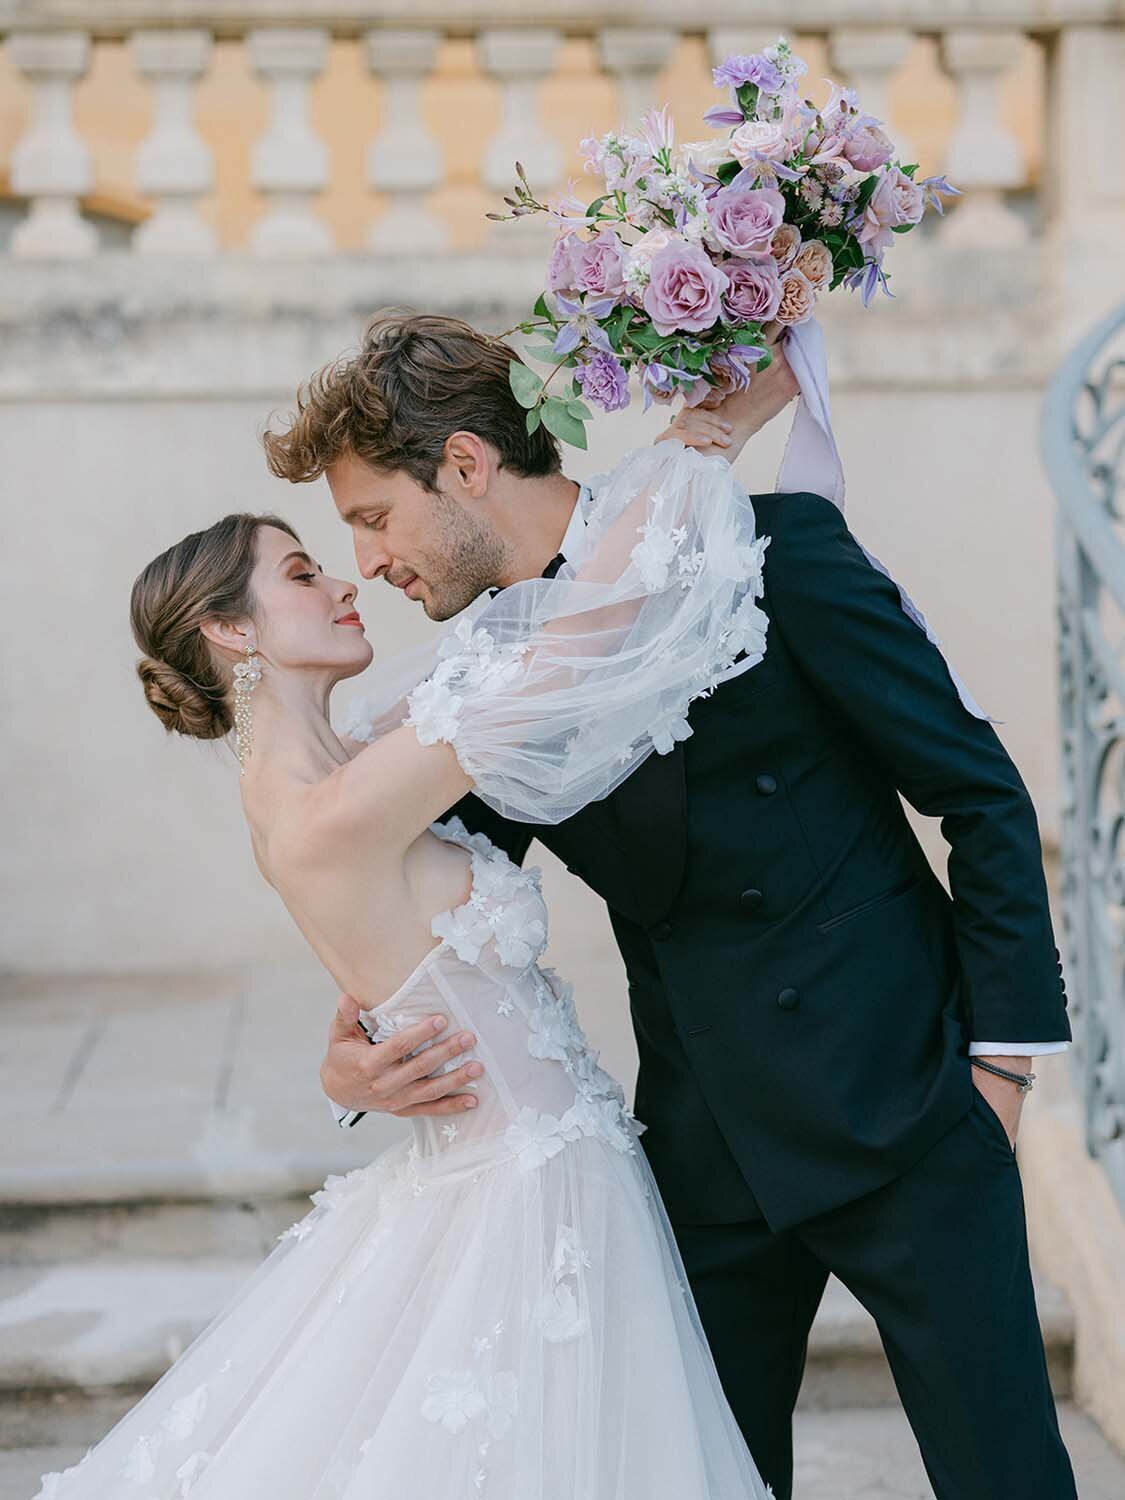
(1084,184)
(174,164)
(290,163)
(635,57)
(984,159)
(50,164)
(868,58)
(519,59)
(405,161)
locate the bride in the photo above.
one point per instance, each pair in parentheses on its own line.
(495,1307)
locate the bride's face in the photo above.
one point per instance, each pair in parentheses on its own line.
(305,619)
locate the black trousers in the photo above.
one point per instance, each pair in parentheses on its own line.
(939,1258)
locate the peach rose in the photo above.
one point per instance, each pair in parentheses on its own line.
(814,261)
(798,298)
(785,244)
(758,138)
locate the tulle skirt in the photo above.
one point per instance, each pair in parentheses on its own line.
(446,1327)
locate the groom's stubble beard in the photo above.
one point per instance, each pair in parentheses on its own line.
(468,556)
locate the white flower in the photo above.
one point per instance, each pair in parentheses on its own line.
(534,1138)
(190,1470)
(183,1415)
(550,1034)
(600,1117)
(748,629)
(668,730)
(654,555)
(140,1465)
(481,1345)
(302,1228)
(434,712)
(339,1187)
(690,565)
(451,1132)
(569,1254)
(557,1316)
(455,1399)
(749,560)
(502,1395)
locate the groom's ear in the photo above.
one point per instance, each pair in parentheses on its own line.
(471,463)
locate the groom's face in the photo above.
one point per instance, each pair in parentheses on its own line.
(437,548)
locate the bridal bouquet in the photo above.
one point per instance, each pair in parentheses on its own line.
(686,251)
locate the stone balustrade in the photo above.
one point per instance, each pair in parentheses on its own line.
(51,45)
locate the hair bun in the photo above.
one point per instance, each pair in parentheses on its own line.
(182,704)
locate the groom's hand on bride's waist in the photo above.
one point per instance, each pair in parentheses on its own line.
(385,1077)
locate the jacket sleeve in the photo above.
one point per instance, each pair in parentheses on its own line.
(845,625)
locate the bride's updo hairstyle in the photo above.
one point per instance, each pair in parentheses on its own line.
(204,577)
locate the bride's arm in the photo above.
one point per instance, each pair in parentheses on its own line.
(547,696)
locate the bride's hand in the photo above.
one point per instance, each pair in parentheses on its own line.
(742,413)
(697,427)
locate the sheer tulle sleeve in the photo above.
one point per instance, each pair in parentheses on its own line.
(555,690)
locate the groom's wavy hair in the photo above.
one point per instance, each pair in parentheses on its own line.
(417,378)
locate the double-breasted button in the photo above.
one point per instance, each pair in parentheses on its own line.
(789,1000)
(661,932)
(767,785)
(750,900)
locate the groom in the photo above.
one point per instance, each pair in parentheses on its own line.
(812,1011)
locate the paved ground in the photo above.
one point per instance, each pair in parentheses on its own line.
(841,1455)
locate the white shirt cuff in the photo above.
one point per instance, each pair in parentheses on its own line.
(1015,1049)
(339,1113)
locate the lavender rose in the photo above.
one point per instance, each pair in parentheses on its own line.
(754,293)
(868,148)
(599,264)
(896,201)
(758,138)
(814,261)
(743,220)
(798,298)
(561,270)
(684,291)
(605,381)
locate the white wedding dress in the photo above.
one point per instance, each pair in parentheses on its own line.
(495,1309)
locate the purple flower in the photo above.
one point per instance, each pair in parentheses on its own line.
(684,290)
(867,280)
(599,264)
(659,382)
(719,114)
(758,70)
(868,148)
(743,220)
(754,292)
(560,268)
(582,325)
(605,381)
(657,130)
(932,187)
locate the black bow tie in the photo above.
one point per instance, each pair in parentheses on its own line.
(548,572)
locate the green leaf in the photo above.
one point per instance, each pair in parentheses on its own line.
(901,228)
(727,170)
(867,188)
(533,418)
(747,95)
(541,310)
(579,409)
(592,208)
(910,170)
(765,362)
(544,353)
(525,384)
(752,334)
(558,420)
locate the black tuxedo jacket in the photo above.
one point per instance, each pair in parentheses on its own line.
(802,988)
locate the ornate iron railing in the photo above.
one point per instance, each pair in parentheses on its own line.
(1084,452)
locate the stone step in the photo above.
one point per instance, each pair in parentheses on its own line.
(118,1319)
